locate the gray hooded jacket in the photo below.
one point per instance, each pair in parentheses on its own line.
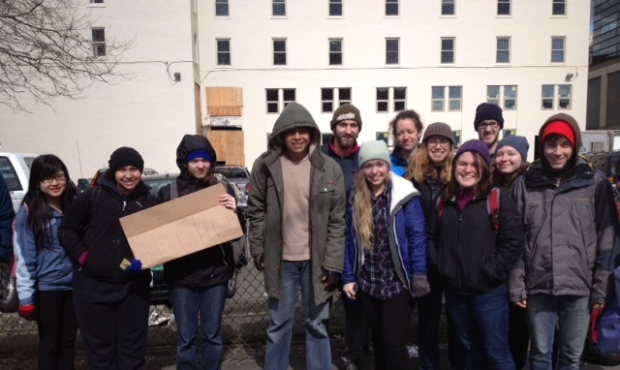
(570,222)
(327,206)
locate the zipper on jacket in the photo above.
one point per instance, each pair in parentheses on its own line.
(458,274)
(124,205)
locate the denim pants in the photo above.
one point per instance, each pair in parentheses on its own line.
(573,316)
(296,275)
(186,304)
(481,323)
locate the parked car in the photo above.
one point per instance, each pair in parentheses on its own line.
(238,175)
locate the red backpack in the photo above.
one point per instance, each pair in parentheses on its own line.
(492,207)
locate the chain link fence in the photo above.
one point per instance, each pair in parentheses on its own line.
(244,326)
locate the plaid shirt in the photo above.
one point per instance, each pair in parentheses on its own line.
(377,277)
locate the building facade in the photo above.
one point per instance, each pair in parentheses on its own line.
(149,109)
(603,111)
(441,58)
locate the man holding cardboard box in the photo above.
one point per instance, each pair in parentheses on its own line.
(296,210)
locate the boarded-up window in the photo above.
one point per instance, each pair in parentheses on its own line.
(228,145)
(224,101)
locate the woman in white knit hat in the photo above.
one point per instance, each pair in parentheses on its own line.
(385,255)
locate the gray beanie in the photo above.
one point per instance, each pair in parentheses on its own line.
(518,142)
(376,149)
(438,129)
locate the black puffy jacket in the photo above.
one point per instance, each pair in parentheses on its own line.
(469,255)
(208,267)
(92,224)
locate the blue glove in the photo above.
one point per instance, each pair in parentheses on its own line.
(135,267)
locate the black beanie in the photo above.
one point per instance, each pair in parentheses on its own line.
(487,111)
(125,156)
(344,112)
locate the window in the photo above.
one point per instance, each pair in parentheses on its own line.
(557,50)
(438,94)
(96,1)
(493,95)
(391,51)
(503,96)
(223,52)
(335,8)
(335,52)
(559,7)
(400,98)
(547,96)
(278,8)
(221,8)
(98,41)
(447,7)
(510,97)
(277,97)
(503,50)
(397,95)
(503,7)
(563,96)
(564,92)
(447,50)
(328,101)
(279,52)
(391,7)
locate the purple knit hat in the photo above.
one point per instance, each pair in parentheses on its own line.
(476,146)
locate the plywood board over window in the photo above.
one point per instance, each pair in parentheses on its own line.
(224,101)
(228,145)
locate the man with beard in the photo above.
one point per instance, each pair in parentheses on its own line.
(346,125)
(489,121)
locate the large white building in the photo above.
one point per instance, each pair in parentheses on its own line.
(240,61)
(439,57)
(149,110)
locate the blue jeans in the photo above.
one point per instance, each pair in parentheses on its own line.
(542,313)
(186,304)
(481,323)
(296,275)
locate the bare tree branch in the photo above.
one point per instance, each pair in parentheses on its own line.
(46,50)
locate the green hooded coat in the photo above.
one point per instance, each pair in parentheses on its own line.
(327,206)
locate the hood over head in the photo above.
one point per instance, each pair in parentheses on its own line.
(572,123)
(293,116)
(196,144)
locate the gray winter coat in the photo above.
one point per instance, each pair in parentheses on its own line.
(569,221)
(327,206)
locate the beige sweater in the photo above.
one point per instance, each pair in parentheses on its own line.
(296,210)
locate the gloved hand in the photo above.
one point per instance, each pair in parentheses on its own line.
(259,262)
(420,286)
(330,278)
(26,311)
(135,267)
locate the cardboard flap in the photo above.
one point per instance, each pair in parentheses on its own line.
(180,227)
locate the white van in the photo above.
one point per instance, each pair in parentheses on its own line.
(15,167)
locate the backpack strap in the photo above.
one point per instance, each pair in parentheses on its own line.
(493,207)
(439,208)
(174,190)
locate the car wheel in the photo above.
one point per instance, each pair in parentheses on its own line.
(8,291)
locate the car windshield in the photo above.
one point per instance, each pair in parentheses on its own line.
(156,184)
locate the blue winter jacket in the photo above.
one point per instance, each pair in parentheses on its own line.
(46,269)
(399,164)
(407,239)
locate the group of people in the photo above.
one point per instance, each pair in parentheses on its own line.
(520,253)
(75,268)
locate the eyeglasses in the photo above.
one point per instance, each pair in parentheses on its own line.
(437,141)
(60,177)
(483,125)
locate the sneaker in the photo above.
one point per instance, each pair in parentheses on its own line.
(348,363)
(412,350)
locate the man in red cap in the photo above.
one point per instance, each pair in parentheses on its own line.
(570,222)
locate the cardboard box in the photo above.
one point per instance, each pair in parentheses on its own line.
(180,227)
